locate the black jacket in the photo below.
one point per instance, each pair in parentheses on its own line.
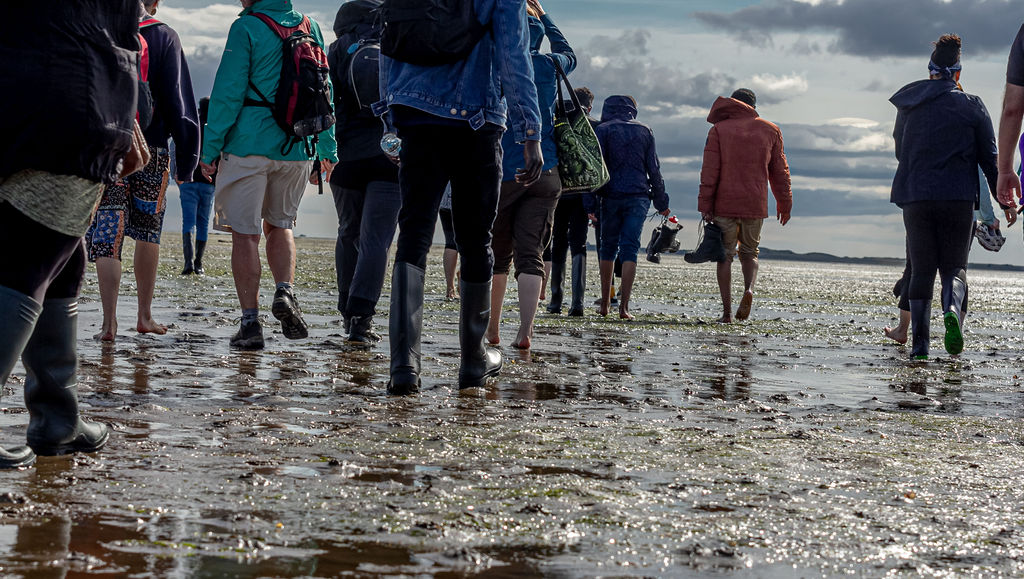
(68,86)
(942,136)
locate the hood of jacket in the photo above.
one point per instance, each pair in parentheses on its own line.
(728,108)
(921,91)
(536,33)
(618,108)
(355,16)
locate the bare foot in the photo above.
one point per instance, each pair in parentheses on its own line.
(108,333)
(625,315)
(150,327)
(522,343)
(492,339)
(896,334)
(724,320)
(450,296)
(603,308)
(743,312)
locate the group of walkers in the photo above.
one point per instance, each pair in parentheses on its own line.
(403,123)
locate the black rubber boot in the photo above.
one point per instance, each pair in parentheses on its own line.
(18,315)
(51,390)
(186,246)
(920,328)
(954,292)
(556,282)
(200,250)
(711,247)
(478,361)
(579,284)
(405,325)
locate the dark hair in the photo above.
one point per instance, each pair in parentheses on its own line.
(585,95)
(947,50)
(745,95)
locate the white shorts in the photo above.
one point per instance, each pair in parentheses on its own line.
(254,189)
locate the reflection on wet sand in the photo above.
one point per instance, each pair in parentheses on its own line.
(800,442)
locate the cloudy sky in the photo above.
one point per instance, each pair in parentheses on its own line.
(823,71)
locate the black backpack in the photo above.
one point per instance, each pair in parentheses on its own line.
(430,32)
(302,106)
(363,75)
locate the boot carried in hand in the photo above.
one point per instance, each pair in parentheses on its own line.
(710,247)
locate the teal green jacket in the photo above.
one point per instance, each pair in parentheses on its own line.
(253,52)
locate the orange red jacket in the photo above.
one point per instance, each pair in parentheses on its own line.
(743,154)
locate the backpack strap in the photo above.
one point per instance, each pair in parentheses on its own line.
(149,22)
(143,59)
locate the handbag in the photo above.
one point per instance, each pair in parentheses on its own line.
(581,165)
(138,155)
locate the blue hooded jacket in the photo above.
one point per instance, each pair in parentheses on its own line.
(544,76)
(942,136)
(629,151)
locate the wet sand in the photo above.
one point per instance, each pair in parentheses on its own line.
(799,443)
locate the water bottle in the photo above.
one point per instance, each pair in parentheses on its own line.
(391,144)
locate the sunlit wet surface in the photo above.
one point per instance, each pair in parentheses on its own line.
(799,443)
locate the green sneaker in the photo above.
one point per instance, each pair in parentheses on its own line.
(954,337)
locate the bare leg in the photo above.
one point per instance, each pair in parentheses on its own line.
(108,273)
(626,289)
(280,253)
(147,258)
(246,268)
(498,283)
(529,290)
(544,281)
(724,274)
(899,333)
(607,272)
(749,265)
(450,261)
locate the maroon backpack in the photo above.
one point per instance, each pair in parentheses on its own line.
(302,106)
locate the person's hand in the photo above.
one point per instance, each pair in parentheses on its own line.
(534,160)
(1011,217)
(593,218)
(708,217)
(536,6)
(666,212)
(209,170)
(783,218)
(1008,189)
(178,181)
(327,168)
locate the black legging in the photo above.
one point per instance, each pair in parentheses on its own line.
(39,262)
(938,239)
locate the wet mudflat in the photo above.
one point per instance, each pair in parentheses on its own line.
(798,443)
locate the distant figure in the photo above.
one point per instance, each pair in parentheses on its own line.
(942,136)
(135,206)
(632,159)
(522,228)
(569,235)
(1008,183)
(56,155)
(450,259)
(261,170)
(196,205)
(450,118)
(743,154)
(365,181)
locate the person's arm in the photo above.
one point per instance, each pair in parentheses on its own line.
(710,172)
(986,153)
(326,146)
(560,49)
(173,93)
(654,178)
(778,177)
(515,70)
(229,89)
(1008,183)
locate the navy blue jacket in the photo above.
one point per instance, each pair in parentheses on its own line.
(942,136)
(175,115)
(628,148)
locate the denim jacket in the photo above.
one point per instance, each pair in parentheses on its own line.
(467,90)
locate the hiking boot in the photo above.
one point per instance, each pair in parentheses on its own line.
(248,337)
(361,330)
(286,309)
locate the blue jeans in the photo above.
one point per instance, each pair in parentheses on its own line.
(622,222)
(196,204)
(366,227)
